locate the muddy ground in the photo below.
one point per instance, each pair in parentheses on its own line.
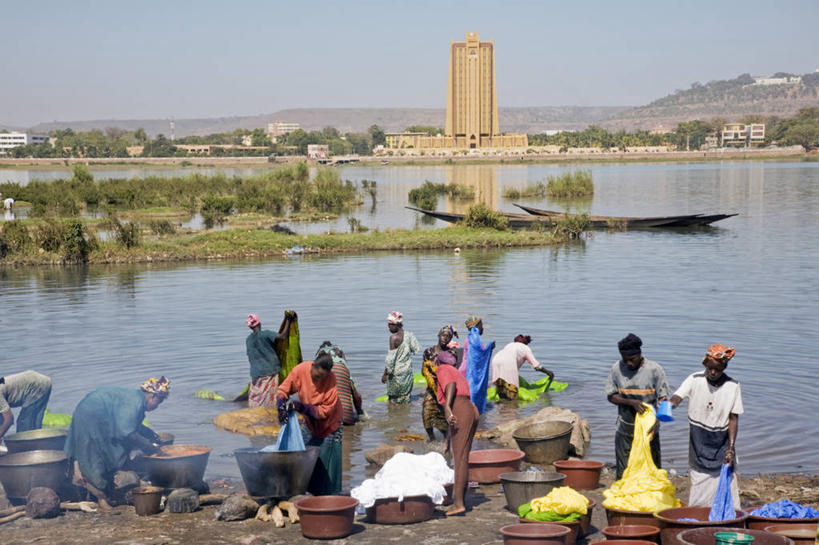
(480,526)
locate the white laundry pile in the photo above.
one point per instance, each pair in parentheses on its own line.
(407,475)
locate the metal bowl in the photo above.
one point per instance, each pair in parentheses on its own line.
(22,471)
(523,486)
(276,474)
(544,442)
(44,439)
(177,466)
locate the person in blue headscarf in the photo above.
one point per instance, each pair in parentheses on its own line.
(105,427)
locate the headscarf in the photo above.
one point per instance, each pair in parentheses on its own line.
(448,329)
(720,352)
(333,350)
(252,320)
(395,317)
(525,339)
(472,321)
(445,358)
(159,386)
(630,345)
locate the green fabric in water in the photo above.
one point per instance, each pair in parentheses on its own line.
(529,391)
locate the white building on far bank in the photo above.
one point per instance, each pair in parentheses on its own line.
(10,140)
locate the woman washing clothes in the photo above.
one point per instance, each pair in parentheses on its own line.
(322,415)
(462,418)
(432,413)
(507,363)
(105,427)
(398,363)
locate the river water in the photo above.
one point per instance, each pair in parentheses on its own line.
(750,282)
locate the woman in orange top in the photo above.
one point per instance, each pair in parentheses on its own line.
(322,413)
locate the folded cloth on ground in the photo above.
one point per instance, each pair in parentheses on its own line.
(526,512)
(404,475)
(562,500)
(786,509)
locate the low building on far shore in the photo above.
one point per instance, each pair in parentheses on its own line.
(11,140)
(740,134)
(318,152)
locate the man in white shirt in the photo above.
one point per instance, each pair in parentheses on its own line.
(715,403)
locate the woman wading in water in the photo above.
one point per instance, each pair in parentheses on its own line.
(398,364)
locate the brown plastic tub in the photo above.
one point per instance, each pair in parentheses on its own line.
(623,542)
(705,536)
(671,526)
(621,517)
(485,466)
(585,520)
(146,500)
(574,528)
(535,534)
(756,522)
(632,531)
(580,474)
(326,517)
(801,534)
(410,510)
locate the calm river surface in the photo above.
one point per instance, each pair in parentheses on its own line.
(750,282)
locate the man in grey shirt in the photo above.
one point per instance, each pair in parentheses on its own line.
(634,380)
(29,390)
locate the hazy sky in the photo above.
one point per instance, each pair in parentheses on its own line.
(153,59)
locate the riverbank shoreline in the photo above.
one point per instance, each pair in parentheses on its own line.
(486,515)
(751,154)
(258,243)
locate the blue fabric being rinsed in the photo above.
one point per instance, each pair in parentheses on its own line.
(290,437)
(723,506)
(786,509)
(477,368)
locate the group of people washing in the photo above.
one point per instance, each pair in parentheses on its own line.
(107,424)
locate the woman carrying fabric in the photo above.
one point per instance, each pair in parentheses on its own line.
(398,363)
(105,427)
(462,417)
(432,413)
(507,363)
(714,406)
(322,413)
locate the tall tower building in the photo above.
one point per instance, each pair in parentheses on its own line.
(472,97)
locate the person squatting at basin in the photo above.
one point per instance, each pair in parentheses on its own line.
(264,362)
(398,363)
(432,414)
(105,427)
(30,391)
(347,392)
(462,417)
(506,366)
(634,380)
(322,413)
(714,406)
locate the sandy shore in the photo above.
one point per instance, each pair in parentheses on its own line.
(480,526)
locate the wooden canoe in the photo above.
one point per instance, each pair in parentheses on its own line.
(689,220)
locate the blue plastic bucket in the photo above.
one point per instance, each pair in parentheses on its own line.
(664,412)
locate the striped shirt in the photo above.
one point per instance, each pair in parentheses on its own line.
(646,383)
(345,392)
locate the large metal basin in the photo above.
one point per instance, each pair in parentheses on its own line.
(177,466)
(44,439)
(544,442)
(523,486)
(22,471)
(276,474)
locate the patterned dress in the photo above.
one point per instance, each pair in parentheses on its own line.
(398,366)
(432,413)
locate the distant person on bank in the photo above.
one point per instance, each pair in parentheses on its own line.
(506,366)
(398,364)
(634,380)
(714,406)
(30,391)
(264,362)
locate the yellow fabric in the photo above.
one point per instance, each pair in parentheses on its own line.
(643,487)
(562,500)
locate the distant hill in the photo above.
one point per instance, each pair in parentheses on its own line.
(528,120)
(730,99)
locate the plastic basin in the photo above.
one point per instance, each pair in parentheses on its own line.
(621,517)
(705,536)
(409,511)
(585,520)
(580,474)
(624,542)
(574,528)
(486,466)
(146,500)
(801,534)
(756,522)
(535,534)
(326,517)
(671,526)
(544,442)
(523,486)
(22,471)
(177,466)
(632,531)
(43,439)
